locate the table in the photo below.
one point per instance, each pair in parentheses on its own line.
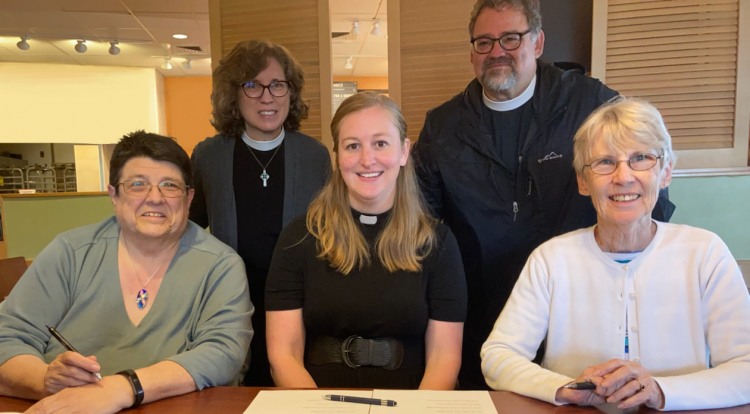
(235,400)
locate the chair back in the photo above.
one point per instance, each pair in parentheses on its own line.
(11,271)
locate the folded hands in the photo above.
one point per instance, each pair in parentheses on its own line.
(617,381)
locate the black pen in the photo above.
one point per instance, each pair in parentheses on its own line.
(67,345)
(580,386)
(360,400)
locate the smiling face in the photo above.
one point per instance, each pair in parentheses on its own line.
(370,157)
(265,116)
(153,216)
(624,198)
(505,74)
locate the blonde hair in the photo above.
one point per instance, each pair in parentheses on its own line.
(408,236)
(622,122)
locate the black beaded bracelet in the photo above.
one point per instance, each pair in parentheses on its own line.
(135,383)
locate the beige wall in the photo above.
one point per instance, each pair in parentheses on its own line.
(77,104)
(88,168)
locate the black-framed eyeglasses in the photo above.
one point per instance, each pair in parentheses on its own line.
(508,41)
(139,188)
(255,89)
(640,162)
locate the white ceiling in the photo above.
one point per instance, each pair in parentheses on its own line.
(144,29)
(369,53)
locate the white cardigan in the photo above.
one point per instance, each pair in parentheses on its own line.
(688,308)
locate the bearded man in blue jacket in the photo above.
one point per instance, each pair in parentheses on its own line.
(496,161)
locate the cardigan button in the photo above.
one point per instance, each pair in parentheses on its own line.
(632,296)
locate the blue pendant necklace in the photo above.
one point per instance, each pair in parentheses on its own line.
(141,299)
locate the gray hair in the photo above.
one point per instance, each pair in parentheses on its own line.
(622,123)
(529,8)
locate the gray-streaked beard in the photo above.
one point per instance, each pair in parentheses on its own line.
(499,83)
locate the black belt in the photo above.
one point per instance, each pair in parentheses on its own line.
(355,351)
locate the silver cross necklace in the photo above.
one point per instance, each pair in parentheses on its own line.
(265,175)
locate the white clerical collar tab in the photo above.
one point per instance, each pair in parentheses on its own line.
(368,219)
(517,102)
(264,145)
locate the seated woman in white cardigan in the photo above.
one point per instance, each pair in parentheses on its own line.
(645,312)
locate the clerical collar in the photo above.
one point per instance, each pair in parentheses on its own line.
(371,219)
(509,105)
(263,145)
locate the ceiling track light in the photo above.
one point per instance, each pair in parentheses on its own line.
(376,28)
(24,43)
(348,64)
(186,64)
(81,47)
(355,28)
(166,65)
(113,49)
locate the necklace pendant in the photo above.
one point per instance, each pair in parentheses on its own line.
(265,178)
(141,299)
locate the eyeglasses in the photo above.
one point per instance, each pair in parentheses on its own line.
(640,162)
(509,42)
(255,89)
(137,188)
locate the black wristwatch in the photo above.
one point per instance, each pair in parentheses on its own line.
(135,383)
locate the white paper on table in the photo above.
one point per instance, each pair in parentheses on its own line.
(435,402)
(306,402)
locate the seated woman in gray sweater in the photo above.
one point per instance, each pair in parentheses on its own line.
(154,305)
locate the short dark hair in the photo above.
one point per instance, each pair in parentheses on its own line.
(245,62)
(529,8)
(153,146)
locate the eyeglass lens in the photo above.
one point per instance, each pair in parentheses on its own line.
(640,162)
(255,89)
(508,42)
(141,188)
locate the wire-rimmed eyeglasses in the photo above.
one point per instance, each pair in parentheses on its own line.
(508,41)
(640,162)
(255,89)
(138,188)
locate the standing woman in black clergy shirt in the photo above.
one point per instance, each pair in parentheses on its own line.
(368,290)
(259,171)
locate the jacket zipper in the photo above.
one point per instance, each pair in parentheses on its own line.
(515,211)
(529,192)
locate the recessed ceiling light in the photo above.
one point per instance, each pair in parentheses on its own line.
(179,36)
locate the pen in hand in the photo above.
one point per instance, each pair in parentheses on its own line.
(580,386)
(67,345)
(360,400)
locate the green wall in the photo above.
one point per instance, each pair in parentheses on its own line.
(32,222)
(719,204)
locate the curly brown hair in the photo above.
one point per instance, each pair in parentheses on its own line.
(244,62)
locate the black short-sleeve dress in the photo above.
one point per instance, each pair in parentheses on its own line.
(370,302)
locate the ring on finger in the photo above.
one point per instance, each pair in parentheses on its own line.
(641,385)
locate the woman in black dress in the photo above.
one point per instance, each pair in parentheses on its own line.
(368,289)
(259,172)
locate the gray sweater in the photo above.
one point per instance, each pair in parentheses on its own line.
(306,168)
(200,318)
